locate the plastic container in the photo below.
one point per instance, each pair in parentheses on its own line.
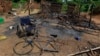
(2,37)
(1,20)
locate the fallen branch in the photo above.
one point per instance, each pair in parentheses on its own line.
(85,51)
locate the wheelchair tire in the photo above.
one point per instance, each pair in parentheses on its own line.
(22,48)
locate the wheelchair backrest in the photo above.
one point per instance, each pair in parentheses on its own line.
(25,20)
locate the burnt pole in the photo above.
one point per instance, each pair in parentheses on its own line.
(29,9)
(91,12)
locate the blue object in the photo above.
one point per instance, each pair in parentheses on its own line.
(25,21)
(77,38)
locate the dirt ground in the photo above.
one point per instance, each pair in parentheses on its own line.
(67,46)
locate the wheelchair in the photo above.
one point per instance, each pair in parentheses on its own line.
(26,30)
(25,27)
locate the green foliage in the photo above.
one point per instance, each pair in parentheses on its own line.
(15,5)
(95,0)
(97,3)
(64,7)
(23,1)
(17,2)
(59,1)
(85,3)
(85,7)
(37,1)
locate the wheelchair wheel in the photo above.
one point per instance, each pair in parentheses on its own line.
(22,48)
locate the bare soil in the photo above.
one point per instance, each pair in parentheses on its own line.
(67,46)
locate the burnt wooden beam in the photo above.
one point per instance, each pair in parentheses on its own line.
(85,51)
